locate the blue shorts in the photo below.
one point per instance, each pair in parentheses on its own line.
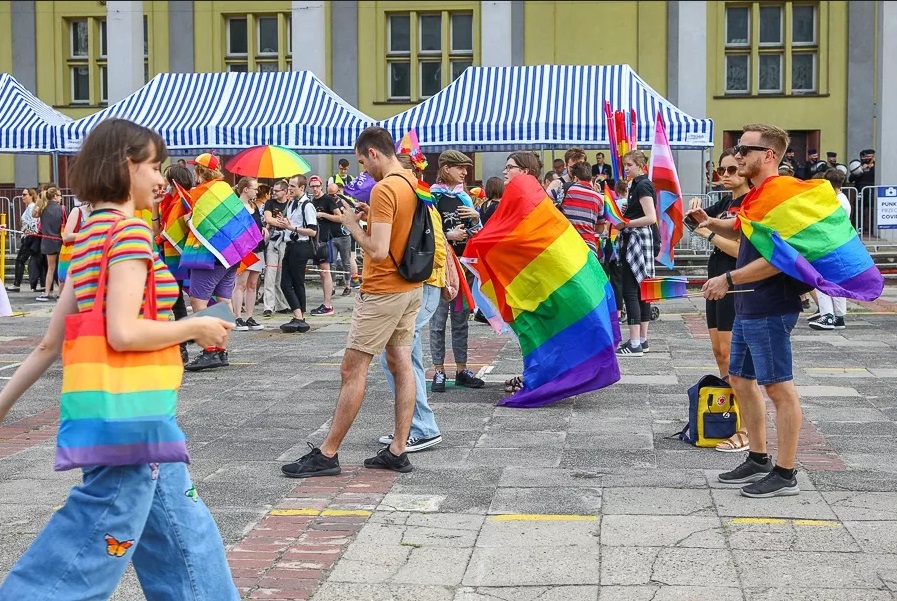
(761,348)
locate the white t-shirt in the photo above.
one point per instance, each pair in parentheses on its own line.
(844,202)
(294,214)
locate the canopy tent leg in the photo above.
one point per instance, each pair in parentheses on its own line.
(54,168)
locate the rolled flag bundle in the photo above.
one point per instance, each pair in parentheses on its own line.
(546,284)
(656,289)
(802,230)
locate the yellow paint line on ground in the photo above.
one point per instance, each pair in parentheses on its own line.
(538,517)
(759,521)
(295,512)
(823,523)
(347,512)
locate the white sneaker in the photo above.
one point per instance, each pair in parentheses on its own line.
(414,444)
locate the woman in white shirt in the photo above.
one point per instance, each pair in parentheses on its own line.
(301,225)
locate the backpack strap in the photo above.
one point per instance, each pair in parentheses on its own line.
(414,191)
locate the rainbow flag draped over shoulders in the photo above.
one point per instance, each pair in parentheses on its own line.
(802,230)
(550,289)
(220,225)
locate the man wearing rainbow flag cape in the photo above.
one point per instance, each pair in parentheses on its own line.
(796,237)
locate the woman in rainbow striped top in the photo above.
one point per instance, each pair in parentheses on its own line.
(126,509)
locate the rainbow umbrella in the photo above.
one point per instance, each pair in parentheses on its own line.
(268,162)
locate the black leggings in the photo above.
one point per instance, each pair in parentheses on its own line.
(180,305)
(292,275)
(25,252)
(636,311)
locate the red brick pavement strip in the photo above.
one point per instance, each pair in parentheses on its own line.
(28,432)
(697,326)
(290,552)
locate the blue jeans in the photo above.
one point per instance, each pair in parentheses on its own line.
(424,423)
(761,348)
(151,517)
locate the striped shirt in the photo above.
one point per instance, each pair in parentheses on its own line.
(584,207)
(132,240)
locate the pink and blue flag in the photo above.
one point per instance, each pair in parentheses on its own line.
(670,209)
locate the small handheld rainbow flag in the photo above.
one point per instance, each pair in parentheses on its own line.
(656,289)
(423,192)
(611,210)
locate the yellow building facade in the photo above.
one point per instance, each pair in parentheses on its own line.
(779,61)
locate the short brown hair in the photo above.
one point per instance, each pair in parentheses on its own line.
(495,187)
(377,138)
(301,180)
(528,161)
(181,175)
(575,154)
(835,178)
(282,183)
(243,184)
(770,135)
(581,171)
(636,156)
(100,170)
(728,152)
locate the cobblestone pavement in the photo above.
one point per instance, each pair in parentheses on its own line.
(587,499)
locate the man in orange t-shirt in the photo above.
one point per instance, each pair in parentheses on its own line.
(385,309)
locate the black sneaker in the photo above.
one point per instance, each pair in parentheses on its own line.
(253,325)
(222,355)
(627,350)
(267,313)
(385,460)
(826,322)
(347,291)
(805,304)
(438,382)
(466,378)
(185,356)
(749,471)
(645,346)
(479,317)
(302,327)
(839,322)
(413,443)
(814,316)
(313,463)
(43,298)
(285,312)
(204,360)
(772,485)
(292,326)
(13,288)
(322,310)
(241,325)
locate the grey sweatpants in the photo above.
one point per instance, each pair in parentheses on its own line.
(459,332)
(272,295)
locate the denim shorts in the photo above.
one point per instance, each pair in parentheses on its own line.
(761,348)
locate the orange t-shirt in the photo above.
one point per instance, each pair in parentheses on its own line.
(392,201)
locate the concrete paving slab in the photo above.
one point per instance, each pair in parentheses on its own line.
(443,566)
(789,535)
(816,594)
(370,563)
(542,457)
(590,459)
(503,439)
(337,591)
(808,505)
(533,566)
(657,501)
(610,442)
(759,569)
(662,531)
(538,533)
(823,391)
(672,566)
(409,502)
(862,506)
(528,593)
(668,593)
(874,537)
(577,501)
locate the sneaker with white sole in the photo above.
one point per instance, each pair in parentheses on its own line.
(747,472)
(438,382)
(322,310)
(772,485)
(627,350)
(253,325)
(839,322)
(645,346)
(826,322)
(414,443)
(240,325)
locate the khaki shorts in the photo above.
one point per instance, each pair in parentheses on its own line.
(381,320)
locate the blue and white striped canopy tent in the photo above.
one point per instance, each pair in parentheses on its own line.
(27,125)
(548,106)
(218,111)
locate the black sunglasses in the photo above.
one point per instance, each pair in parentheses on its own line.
(744,149)
(731,170)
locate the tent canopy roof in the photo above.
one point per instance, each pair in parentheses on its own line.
(549,106)
(27,125)
(206,111)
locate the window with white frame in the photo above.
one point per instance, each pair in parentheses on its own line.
(79,61)
(771,40)
(258,42)
(426,51)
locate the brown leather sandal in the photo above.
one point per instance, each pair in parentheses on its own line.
(735,443)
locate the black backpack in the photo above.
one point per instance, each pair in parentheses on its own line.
(417,262)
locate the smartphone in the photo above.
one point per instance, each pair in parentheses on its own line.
(691,223)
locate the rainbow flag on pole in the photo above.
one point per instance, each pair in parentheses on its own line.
(611,209)
(801,229)
(670,208)
(548,286)
(665,288)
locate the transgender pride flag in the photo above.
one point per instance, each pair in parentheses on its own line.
(670,210)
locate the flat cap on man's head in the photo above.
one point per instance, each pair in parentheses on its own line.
(454,157)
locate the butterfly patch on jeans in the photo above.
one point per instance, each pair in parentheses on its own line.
(191,493)
(117,548)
